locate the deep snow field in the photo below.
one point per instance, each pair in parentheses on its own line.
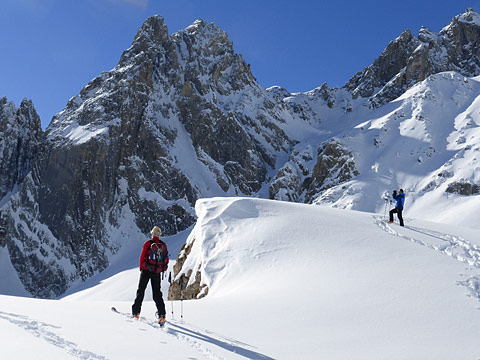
(286,281)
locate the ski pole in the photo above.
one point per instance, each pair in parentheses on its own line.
(181,297)
(385,213)
(171,300)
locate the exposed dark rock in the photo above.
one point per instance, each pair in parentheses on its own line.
(335,165)
(20,142)
(181,289)
(463,188)
(297,181)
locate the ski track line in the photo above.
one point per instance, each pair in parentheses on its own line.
(41,330)
(186,339)
(197,345)
(182,332)
(194,344)
(453,246)
(199,339)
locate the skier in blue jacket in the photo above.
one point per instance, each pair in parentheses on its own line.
(400,198)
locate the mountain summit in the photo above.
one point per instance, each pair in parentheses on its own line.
(408,59)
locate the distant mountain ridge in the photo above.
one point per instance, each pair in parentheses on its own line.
(182,117)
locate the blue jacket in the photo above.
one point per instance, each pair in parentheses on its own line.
(400,197)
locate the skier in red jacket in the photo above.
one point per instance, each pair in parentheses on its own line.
(153,261)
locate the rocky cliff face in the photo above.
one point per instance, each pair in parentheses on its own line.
(20,142)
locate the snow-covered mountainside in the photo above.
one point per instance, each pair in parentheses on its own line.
(286,281)
(181,117)
(426,142)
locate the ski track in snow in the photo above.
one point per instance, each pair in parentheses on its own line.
(43,331)
(453,246)
(201,339)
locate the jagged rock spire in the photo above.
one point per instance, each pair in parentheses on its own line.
(22,136)
(153,30)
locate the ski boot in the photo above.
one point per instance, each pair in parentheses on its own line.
(161,319)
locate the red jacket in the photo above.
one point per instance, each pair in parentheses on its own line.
(146,251)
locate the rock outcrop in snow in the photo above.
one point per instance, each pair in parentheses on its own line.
(333,164)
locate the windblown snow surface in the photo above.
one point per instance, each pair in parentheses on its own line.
(286,281)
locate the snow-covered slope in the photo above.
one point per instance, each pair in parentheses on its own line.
(286,281)
(426,142)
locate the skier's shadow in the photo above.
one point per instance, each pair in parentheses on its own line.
(422,231)
(249,354)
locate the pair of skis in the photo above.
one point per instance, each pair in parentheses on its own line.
(161,324)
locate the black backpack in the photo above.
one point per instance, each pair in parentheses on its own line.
(157,257)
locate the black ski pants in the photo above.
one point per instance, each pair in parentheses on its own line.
(145,277)
(399,214)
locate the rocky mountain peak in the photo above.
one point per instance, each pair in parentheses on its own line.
(152,36)
(23,119)
(461,40)
(425,35)
(205,38)
(392,60)
(470,16)
(463,28)
(408,60)
(29,112)
(199,26)
(209,61)
(207,30)
(154,30)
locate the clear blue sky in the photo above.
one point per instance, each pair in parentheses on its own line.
(50,49)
